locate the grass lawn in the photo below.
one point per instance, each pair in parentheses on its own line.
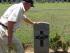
(57,14)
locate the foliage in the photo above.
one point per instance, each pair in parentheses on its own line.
(59,42)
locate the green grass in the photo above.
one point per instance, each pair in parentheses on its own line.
(57,14)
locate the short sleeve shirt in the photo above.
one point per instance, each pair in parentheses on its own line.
(14,14)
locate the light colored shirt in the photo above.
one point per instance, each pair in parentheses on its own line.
(15,14)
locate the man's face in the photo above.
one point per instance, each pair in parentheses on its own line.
(27,6)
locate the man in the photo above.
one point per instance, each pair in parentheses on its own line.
(10,21)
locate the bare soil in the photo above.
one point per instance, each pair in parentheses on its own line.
(31,50)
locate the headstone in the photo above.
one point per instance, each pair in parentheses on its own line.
(41,38)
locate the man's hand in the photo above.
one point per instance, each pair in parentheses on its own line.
(36,22)
(39,22)
(10,46)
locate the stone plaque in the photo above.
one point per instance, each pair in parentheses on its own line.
(41,38)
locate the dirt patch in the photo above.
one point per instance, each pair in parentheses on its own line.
(29,50)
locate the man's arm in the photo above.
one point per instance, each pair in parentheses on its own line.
(10,32)
(28,21)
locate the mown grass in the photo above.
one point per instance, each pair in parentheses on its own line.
(57,14)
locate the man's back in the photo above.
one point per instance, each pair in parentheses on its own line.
(7,13)
(13,13)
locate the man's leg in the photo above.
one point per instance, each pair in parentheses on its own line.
(3,41)
(17,45)
(1,48)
